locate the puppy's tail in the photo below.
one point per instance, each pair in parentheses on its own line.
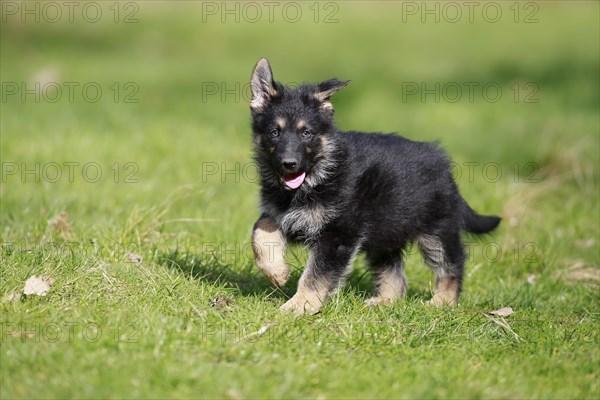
(478,224)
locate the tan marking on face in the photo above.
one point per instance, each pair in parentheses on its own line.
(301,124)
(446,292)
(308,300)
(268,244)
(280,122)
(309,150)
(272,149)
(325,144)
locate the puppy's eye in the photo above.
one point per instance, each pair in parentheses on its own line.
(274,132)
(307,133)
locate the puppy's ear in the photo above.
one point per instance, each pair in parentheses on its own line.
(326,89)
(263,85)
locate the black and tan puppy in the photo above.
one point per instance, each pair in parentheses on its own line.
(345,192)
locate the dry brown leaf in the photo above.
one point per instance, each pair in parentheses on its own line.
(584,243)
(134,258)
(233,394)
(582,272)
(221,303)
(38,286)
(13,297)
(502,312)
(47,75)
(61,224)
(22,333)
(579,271)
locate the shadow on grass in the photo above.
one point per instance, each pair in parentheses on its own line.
(246,279)
(249,281)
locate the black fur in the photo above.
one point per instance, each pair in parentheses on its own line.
(370,192)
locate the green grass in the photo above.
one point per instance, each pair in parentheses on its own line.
(186,321)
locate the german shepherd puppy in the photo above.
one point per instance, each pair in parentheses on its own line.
(345,192)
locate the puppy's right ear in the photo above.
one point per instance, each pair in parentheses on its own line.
(263,85)
(325,90)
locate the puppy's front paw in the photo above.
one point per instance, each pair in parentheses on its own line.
(299,305)
(277,272)
(268,244)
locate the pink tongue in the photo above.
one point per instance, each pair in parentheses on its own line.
(294,181)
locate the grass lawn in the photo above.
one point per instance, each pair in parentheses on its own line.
(137,126)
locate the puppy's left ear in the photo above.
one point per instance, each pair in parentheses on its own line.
(326,89)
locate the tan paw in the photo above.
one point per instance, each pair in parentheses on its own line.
(442,299)
(377,300)
(298,305)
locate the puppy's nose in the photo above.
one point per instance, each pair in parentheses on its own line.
(289,163)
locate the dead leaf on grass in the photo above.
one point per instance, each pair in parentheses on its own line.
(579,271)
(22,333)
(50,74)
(38,286)
(233,394)
(62,225)
(134,258)
(13,297)
(582,272)
(584,243)
(221,302)
(502,312)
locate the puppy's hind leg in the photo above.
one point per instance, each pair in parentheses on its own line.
(268,244)
(446,257)
(390,281)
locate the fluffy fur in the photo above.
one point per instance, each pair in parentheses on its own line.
(373,192)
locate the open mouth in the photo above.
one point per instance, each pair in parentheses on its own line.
(293,181)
